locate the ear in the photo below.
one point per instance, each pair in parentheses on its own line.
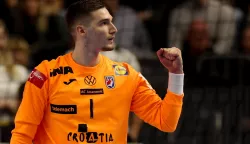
(81,30)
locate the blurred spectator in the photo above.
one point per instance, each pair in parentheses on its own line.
(131,31)
(10,14)
(30,13)
(144,15)
(246,14)
(219,16)
(243,24)
(53,6)
(198,40)
(44,28)
(20,50)
(11,76)
(196,44)
(245,41)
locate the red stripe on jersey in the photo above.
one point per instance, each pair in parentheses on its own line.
(37,78)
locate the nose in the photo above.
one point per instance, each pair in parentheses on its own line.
(113,29)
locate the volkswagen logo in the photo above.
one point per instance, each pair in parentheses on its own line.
(90,80)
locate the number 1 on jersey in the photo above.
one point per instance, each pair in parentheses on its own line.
(91,106)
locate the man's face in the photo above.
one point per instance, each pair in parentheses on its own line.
(3,38)
(101,31)
(31,7)
(198,36)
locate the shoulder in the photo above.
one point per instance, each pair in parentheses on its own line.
(47,71)
(120,68)
(45,67)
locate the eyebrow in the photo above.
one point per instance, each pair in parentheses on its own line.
(106,19)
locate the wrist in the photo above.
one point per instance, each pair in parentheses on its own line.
(176,83)
(176,71)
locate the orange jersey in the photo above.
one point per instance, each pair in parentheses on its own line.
(66,103)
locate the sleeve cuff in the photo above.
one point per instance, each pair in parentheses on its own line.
(176,83)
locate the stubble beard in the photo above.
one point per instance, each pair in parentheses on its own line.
(108,48)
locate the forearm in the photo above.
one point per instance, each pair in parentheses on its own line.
(163,114)
(172,103)
(171,107)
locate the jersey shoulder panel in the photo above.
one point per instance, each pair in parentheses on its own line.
(121,68)
(42,72)
(45,66)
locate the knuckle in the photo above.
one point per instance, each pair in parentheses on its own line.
(178,50)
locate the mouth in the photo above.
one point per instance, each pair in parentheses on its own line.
(111,40)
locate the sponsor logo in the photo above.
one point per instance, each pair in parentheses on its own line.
(109,81)
(90,80)
(91,91)
(61,70)
(120,70)
(63,109)
(37,78)
(90,137)
(70,81)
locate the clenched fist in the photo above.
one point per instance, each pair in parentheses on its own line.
(171,59)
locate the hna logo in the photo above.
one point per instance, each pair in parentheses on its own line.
(61,70)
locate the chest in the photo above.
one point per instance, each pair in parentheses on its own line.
(91,96)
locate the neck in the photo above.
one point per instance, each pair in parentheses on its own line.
(84,56)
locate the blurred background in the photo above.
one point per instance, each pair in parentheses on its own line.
(214,36)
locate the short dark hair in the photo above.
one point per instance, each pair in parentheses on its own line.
(80,9)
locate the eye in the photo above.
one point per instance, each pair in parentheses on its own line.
(104,23)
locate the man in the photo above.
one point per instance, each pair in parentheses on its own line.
(83,97)
(219,16)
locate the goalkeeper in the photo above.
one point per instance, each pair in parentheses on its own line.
(84,97)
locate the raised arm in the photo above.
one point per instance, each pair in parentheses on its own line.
(146,104)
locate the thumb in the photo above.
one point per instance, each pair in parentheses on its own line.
(160,53)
